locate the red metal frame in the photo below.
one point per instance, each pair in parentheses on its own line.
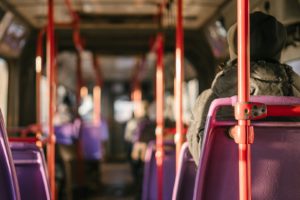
(79,81)
(159,114)
(283,111)
(179,137)
(51,81)
(38,70)
(172,131)
(136,92)
(244,131)
(78,42)
(97,68)
(97,91)
(27,140)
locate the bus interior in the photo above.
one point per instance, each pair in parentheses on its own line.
(75,73)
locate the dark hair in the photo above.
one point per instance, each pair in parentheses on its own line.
(267,37)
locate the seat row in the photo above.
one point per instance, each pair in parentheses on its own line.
(23,170)
(275,160)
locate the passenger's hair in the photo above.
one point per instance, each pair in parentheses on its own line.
(267,37)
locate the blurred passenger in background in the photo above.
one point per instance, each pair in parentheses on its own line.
(131,129)
(65,138)
(93,136)
(142,135)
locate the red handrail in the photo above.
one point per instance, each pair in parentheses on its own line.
(283,110)
(78,42)
(50,75)
(32,128)
(27,140)
(244,129)
(159,114)
(179,137)
(79,81)
(38,70)
(97,69)
(172,131)
(136,92)
(97,91)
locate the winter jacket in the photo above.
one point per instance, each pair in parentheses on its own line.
(266,78)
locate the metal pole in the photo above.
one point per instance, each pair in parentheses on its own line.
(78,81)
(243,98)
(38,71)
(50,75)
(179,137)
(97,91)
(136,93)
(159,115)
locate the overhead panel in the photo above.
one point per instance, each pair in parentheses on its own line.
(96,13)
(117,68)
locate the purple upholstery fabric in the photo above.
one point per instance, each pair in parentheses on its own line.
(150,178)
(31,171)
(9,189)
(66,133)
(185,177)
(275,158)
(91,137)
(269,100)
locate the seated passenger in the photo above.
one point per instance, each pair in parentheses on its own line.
(267,75)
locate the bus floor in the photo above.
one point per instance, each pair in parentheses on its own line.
(116,183)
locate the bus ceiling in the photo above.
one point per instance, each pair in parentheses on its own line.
(116,14)
(126,27)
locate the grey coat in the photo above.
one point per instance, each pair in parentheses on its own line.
(266,78)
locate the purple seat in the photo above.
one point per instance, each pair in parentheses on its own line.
(9,189)
(31,171)
(275,157)
(185,177)
(91,137)
(150,177)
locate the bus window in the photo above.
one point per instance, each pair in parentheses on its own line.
(3,87)
(123,109)
(190,94)
(295,64)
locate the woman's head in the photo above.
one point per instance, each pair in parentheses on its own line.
(267,38)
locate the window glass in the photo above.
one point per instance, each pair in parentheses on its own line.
(216,36)
(123,109)
(295,64)
(3,87)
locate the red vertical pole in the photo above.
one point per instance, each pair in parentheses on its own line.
(50,74)
(97,91)
(80,172)
(159,114)
(244,128)
(136,96)
(136,93)
(179,138)
(79,80)
(38,72)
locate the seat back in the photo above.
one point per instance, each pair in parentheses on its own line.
(150,175)
(9,188)
(91,136)
(185,177)
(31,170)
(275,156)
